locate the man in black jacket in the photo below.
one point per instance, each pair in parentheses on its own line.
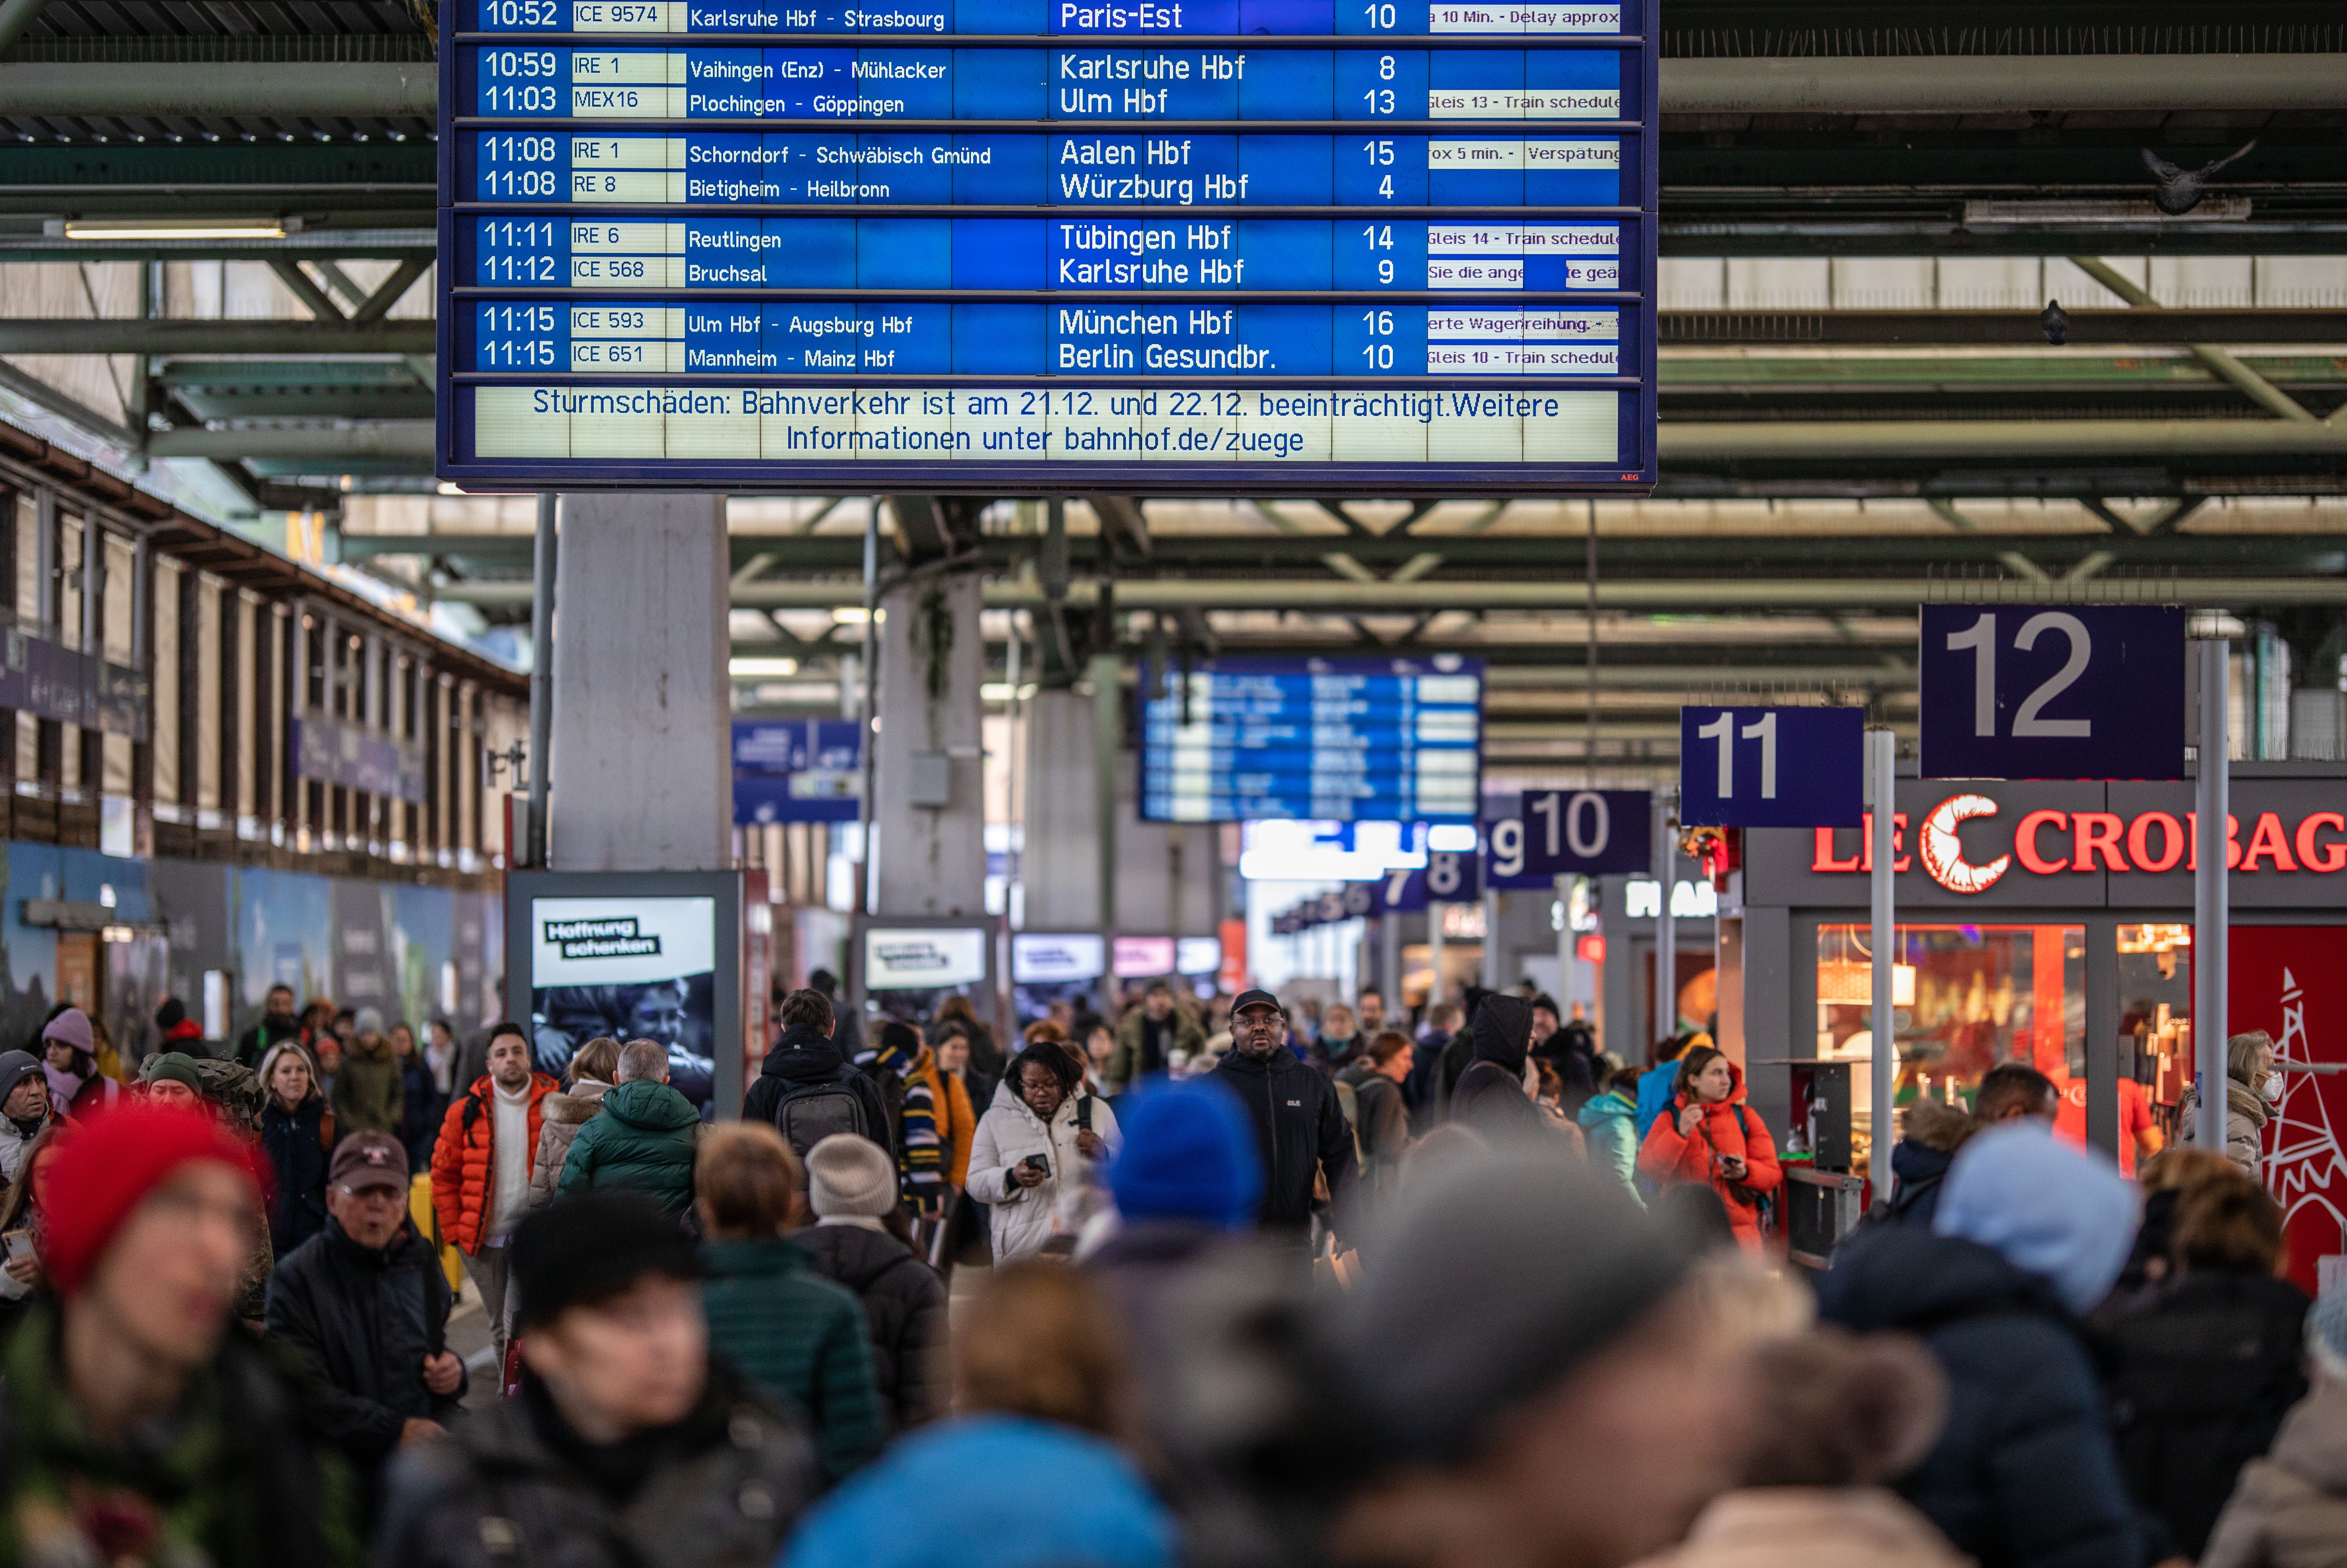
(1490,1095)
(1299,1122)
(364,1300)
(808,1058)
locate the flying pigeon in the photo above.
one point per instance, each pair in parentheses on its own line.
(2180,190)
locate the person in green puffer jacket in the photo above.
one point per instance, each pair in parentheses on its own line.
(796,1334)
(645,1138)
(1610,1123)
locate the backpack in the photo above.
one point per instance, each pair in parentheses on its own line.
(809,1112)
(234,1088)
(1764,1205)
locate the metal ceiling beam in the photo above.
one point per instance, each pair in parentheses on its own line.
(1336,597)
(127,335)
(2085,328)
(408,440)
(2004,441)
(2007,84)
(155,90)
(353,244)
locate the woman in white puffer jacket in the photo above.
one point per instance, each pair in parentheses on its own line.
(1034,1114)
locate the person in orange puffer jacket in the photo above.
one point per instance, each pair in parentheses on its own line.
(1709,1135)
(481,1166)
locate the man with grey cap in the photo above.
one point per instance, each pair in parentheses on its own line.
(1532,1380)
(24,1109)
(365,1302)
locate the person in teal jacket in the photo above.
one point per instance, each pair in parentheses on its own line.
(644,1139)
(1609,1123)
(798,1335)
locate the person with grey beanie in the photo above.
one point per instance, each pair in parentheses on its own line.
(1531,1379)
(367,1092)
(2290,1509)
(25,1111)
(858,1239)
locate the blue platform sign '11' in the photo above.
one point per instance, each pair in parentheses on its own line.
(1772,767)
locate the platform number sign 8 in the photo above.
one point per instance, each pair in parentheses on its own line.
(1450,878)
(1771,767)
(2079,692)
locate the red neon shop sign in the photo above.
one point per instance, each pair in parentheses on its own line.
(2046,843)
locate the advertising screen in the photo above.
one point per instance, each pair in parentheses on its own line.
(1037,959)
(923,960)
(631,968)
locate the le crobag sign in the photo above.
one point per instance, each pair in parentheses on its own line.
(2066,845)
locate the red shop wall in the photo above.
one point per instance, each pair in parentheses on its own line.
(2292,982)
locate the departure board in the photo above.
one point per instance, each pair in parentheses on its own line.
(1013,246)
(1328,740)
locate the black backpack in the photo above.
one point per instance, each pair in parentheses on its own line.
(809,1112)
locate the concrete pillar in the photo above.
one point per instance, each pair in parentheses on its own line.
(1166,873)
(928,804)
(641,766)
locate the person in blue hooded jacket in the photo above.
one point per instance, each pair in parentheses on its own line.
(1608,1122)
(2029,1234)
(1660,1082)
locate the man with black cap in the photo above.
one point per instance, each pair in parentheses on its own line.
(1585,1414)
(1300,1124)
(24,1109)
(366,1301)
(629,1444)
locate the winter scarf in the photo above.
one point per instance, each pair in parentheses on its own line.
(923,1155)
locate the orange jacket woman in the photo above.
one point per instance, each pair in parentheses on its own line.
(1709,1135)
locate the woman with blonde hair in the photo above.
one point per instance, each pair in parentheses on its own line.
(1029,1465)
(594,1068)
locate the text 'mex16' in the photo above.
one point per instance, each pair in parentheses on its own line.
(2053,691)
(1772,767)
(1585,832)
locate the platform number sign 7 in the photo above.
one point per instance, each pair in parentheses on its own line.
(1771,767)
(2072,692)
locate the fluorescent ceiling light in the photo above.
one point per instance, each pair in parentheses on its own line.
(165,229)
(740,669)
(853,615)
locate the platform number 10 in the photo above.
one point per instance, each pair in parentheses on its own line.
(1764,729)
(1980,637)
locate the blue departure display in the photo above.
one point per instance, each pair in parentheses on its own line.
(1334,740)
(659,216)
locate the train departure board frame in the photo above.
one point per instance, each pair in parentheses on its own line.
(1320,740)
(1037,247)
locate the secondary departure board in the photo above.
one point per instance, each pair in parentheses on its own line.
(1020,246)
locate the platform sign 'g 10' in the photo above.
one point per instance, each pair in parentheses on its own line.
(1772,767)
(2053,691)
(1586,831)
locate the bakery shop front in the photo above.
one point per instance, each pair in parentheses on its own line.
(2051,923)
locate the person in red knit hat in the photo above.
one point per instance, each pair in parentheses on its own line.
(135,1429)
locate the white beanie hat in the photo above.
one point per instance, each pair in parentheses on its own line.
(849,1175)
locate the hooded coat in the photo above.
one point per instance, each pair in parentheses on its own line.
(646,1139)
(1489,1096)
(2290,1509)
(1007,1134)
(566,1112)
(299,1145)
(804,1056)
(1729,1127)
(2024,1474)
(15,1066)
(2246,1116)
(367,1092)
(903,1303)
(1920,1161)
(1609,1123)
(1299,1129)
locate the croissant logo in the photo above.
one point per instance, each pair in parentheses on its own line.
(1944,852)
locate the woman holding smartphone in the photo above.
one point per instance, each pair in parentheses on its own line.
(1036,1142)
(1709,1135)
(21,1229)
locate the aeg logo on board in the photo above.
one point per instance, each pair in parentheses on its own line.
(2046,843)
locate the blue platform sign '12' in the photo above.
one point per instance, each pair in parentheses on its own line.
(2053,691)
(1772,767)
